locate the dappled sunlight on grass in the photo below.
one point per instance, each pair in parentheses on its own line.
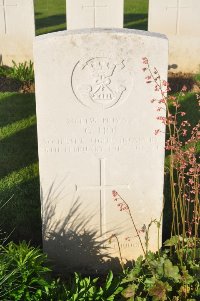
(136,14)
(15,107)
(19,176)
(17,126)
(50,16)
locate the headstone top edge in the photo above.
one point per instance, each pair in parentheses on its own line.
(86,31)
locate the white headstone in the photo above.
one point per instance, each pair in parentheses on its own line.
(179,20)
(96,134)
(95,14)
(17,30)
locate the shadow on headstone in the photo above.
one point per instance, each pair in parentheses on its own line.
(70,245)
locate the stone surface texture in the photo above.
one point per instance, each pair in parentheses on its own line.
(179,20)
(95,14)
(96,128)
(17,30)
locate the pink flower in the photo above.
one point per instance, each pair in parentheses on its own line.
(148,77)
(183,113)
(165,83)
(184,88)
(162,100)
(114,193)
(184,132)
(145,60)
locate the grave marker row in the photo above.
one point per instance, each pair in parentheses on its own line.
(17,31)
(179,20)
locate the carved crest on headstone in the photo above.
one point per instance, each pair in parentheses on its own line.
(100,82)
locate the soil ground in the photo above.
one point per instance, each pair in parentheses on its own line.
(178,80)
(13,85)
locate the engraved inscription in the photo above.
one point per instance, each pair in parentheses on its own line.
(102,187)
(100,82)
(98,135)
(4,4)
(178,8)
(98,145)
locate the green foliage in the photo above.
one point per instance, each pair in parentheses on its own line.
(161,277)
(22,273)
(4,71)
(22,72)
(87,289)
(24,276)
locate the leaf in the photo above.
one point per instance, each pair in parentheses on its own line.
(171,271)
(129,291)
(109,280)
(135,271)
(159,290)
(173,241)
(186,277)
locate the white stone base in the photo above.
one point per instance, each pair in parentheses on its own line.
(14,50)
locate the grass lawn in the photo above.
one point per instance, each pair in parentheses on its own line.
(50,16)
(19,167)
(19,179)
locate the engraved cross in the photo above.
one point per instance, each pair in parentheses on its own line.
(95,7)
(102,187)
(178,8)
(4,4)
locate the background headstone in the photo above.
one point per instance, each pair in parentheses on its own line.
(95,14)
(17,30)
(96,128)
(179,20)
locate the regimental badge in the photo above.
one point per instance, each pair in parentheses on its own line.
(100,82)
